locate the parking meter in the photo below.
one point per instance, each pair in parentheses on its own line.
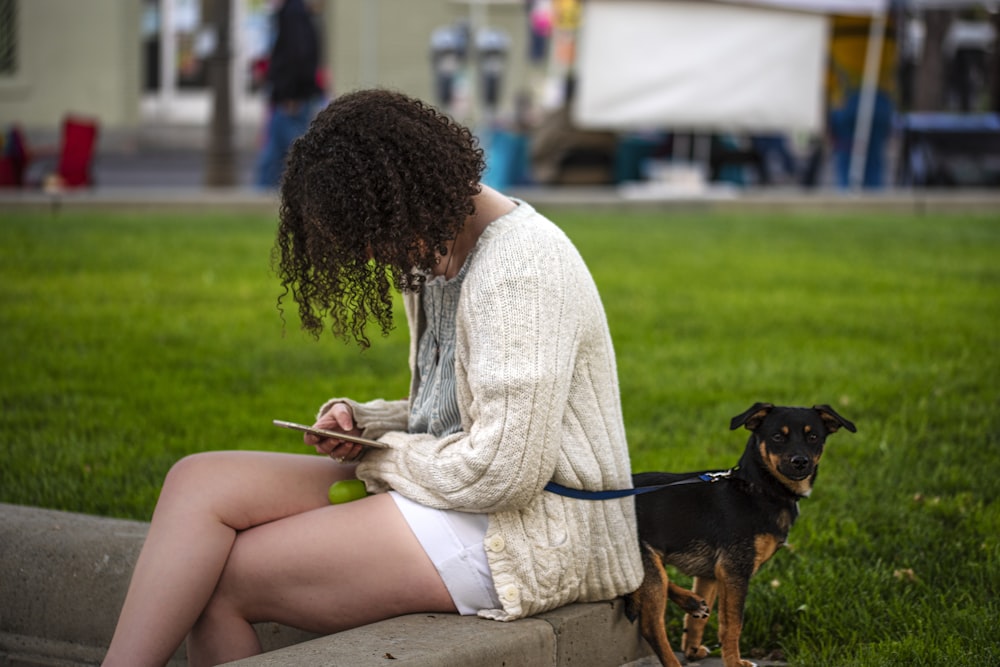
(449,50)
(492,46)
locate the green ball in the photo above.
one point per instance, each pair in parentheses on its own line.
(346,490)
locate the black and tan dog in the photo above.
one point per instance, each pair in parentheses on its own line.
(720,532)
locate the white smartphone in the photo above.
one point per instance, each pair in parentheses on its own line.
(323,433)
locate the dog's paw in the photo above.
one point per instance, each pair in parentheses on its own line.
(694,605)
(699,608)
(698,653)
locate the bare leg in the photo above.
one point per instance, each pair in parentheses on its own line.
(326,570)
(208,502)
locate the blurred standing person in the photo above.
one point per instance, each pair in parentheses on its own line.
(294,92)
(845,81)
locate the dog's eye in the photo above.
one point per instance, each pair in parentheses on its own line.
(812,437)
(778,437)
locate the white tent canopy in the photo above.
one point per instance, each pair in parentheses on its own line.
(697,65)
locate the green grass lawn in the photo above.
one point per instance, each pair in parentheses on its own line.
(127,341)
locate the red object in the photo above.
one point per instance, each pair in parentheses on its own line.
(78,143)
(10,175)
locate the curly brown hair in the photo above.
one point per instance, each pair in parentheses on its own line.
(369,197)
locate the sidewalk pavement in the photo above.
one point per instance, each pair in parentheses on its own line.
(172,177)
(181,168)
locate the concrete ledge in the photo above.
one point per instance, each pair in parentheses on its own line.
(63,577)
(423,640)
(596,635)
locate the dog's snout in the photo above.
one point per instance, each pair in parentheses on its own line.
(800,462)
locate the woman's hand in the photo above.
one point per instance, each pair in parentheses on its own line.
(338,418)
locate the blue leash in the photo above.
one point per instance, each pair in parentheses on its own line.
(580,494)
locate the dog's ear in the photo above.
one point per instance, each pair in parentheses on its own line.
(832,420)
(751,418)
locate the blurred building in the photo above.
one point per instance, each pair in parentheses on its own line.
(140,66)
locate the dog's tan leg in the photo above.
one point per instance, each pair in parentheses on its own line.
(694,626)
(650,602)
(732,598)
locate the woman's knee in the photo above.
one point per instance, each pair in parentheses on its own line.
(193,470)
(200,480)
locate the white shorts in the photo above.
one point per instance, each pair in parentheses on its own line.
(454,542)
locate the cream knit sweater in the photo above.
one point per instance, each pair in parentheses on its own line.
(537,389)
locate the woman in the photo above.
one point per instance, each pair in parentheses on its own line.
(514,384)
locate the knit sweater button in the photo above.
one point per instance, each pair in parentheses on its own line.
(496,543)
(510,593)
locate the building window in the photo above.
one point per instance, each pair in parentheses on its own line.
(8,37)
